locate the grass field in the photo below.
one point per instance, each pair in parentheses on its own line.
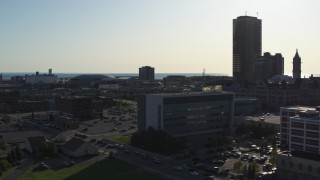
(112,169)
(124,139)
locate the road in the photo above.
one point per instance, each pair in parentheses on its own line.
(18,171)
(166,169)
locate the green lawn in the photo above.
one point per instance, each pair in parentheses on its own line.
(51,174)
(6,173)
(112,169)
(124,139)
(138,176)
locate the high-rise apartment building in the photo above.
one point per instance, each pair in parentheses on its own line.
(296,72)
(268,65)
(246,47)
(146,73)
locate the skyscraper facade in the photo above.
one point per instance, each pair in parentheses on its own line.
(268,65)
(146,73)
(246,47)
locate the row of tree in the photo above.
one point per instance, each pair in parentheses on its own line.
(249,172)
(15,155)
(256,129)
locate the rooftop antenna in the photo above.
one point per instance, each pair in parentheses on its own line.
(257,14)
(246,13)
(204,76)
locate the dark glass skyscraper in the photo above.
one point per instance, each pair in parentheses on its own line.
(296,72)
(146,73)
(246,47)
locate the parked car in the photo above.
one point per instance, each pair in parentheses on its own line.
(194,173)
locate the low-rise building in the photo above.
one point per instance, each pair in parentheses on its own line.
(41,78)
(78,148)
(66,123)
(300,128)
(80,107)
(298,165)
(64,136)
(32,143)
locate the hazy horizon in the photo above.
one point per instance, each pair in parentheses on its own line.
(172,36)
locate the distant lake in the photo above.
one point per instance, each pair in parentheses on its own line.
(160,76)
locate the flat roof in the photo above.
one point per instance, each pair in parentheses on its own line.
(299,108)
(191,94)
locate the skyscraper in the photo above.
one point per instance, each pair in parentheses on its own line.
(246,47)
(296,72)
(268,65)
(146,73)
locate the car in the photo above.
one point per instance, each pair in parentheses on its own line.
(66,163)
(178,168)
(157,161)
(215,170)
(209,178)
(267,167)
(194,173)
(43,166)
(144,156)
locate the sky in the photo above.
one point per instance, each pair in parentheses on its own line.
(174,36)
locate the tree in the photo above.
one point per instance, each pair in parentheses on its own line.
(52,148)
(245,171)
(4,165)
(273,157)
(18,152)
(9,158)
(48,148)
(51,117)
(111,154)
(13,156)
(229,140)
(1,171)
(237,166)
(3,145)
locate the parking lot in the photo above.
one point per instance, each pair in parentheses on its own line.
(113,124)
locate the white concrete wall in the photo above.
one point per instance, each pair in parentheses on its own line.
(152,102)
(85,149)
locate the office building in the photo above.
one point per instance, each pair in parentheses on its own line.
(79,107)
(300,134)
(298,165)
(146,73)
(296,71)
(41,78)
(246,47)
(268,65)
(300,128)
(186,114)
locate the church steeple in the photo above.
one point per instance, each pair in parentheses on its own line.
(296,72)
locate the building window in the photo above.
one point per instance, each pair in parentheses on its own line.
(300,167)
(291,164)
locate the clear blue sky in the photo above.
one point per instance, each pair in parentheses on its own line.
(119,36)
